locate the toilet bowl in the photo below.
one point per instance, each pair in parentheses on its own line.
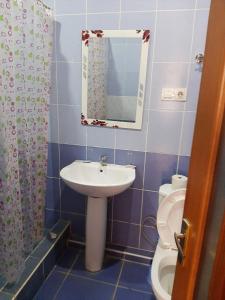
(162,272)
(169,219)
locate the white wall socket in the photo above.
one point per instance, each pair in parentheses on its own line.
(174,94)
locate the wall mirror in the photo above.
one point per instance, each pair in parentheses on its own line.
(114,64)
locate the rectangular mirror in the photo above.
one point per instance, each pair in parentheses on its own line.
(114,64)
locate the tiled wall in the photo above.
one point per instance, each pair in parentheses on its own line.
(162,147)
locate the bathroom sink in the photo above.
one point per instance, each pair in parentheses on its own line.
(93,179)
(97,181)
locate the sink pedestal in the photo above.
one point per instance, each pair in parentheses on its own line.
(95,233)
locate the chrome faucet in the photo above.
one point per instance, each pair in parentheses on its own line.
(103,160)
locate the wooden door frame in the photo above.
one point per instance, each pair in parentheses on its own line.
(209,119)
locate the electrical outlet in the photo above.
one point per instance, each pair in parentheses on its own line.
(174,94)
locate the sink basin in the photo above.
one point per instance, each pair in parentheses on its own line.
(91,179)
(97,182)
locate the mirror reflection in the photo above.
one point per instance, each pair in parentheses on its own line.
(113,78)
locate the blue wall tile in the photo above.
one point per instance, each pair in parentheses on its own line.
(77,225)
(70,153)
(53,160)
(127,206)
(136,158)
(183,166)
(52,194)
(159,169)
(51,217)
(149,238)
(125,234)
(72,201)
(94,154)
(150,207)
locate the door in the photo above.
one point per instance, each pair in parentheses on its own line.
(205,148)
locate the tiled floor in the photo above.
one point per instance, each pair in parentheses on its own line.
(119,280)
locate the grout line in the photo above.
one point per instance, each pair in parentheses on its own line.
(187,84)
(119,251)
(136,290)
(118,280)
(88,278)
(134,11)
(67,274)
(147,125)
(57,101)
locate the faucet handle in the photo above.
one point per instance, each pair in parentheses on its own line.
(103,158)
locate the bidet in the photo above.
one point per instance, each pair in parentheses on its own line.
(97,181)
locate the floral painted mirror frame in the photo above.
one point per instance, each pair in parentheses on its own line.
(144,36)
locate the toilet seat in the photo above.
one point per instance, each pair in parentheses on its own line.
(169,217)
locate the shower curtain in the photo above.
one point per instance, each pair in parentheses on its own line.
(25,58)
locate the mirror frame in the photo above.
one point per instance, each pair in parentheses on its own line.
(144,35)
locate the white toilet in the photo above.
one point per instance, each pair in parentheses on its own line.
(169,219)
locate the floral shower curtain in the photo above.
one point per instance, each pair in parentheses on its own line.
(25,58)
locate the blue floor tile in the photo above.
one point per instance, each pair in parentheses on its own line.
(135,276)
(67,259)
(109,273)
(50,286)
(76,288)
(126,294)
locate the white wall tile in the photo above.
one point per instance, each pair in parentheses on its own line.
(100,137)
(70,6)
(164,132)
(188,130)
(132,139)
(173,35)
(68,37)
(69,83)
(70,130)
(53,136)
(168,75)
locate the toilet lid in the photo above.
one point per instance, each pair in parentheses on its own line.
(169,217)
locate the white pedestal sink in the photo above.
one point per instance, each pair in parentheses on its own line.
(97,182)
